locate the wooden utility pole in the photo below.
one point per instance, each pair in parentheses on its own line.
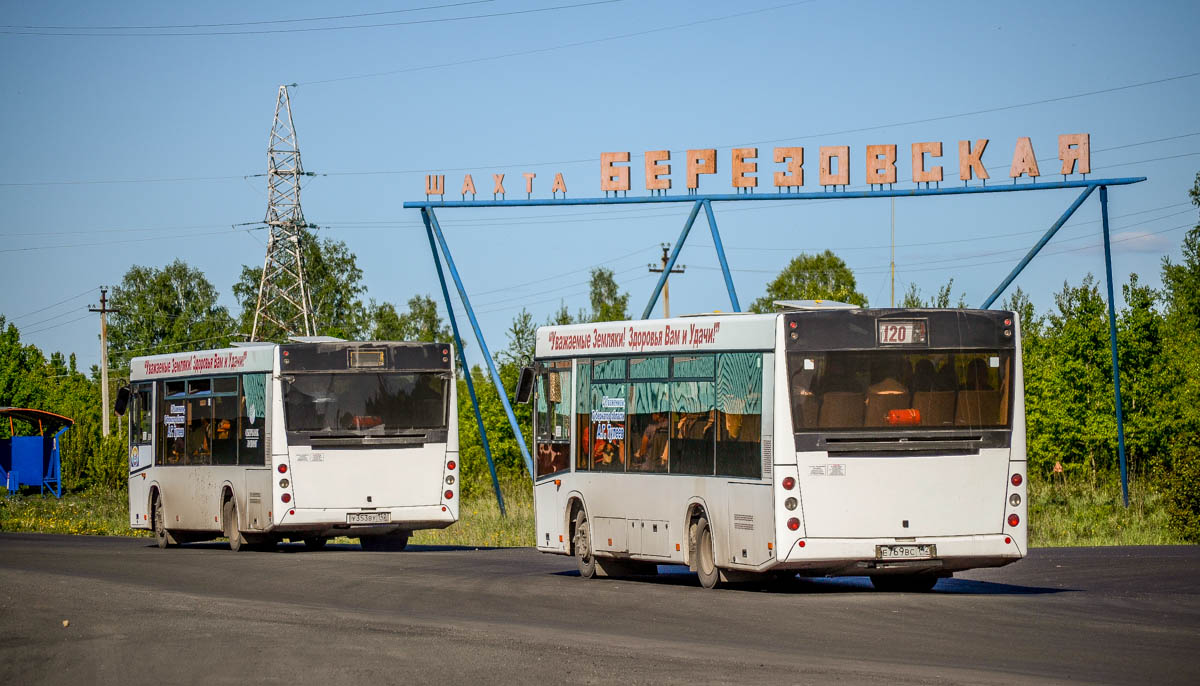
(103,310)
(666,248)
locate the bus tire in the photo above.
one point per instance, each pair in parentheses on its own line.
(706,557)
(229,517)
(585,559)
(159,522)
(315,542)
(904,583)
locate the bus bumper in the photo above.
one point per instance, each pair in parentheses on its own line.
(335,522)
(856,557)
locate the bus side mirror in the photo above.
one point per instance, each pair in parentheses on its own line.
(525,385)
(122,401)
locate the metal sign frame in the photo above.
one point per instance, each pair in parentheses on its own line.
(700,201)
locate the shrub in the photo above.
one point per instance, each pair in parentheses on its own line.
(1183,493)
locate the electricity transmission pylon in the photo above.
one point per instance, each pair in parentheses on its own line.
(283,298)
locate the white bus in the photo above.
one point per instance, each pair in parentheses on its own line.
(826,440)
(305,441)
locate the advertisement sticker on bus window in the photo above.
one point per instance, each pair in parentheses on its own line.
(809,365)
(994,361)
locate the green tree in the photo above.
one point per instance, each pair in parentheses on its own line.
(335,289)
(420,323)
(824,276)
(1146,398)
(165,310)
(1181,368)
(608,303)
(913,298)
(562,316)
(522,337)
(1079,424)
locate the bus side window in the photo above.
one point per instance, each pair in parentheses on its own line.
(225,421)
(553,440)
(739,414)
(172,417)
(252,403)
(199,430)
(693,419)
(141,416)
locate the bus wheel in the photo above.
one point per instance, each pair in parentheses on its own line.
(706,559)
(904,583)
(161,535)
(315,543)
(583,547)
(229,515)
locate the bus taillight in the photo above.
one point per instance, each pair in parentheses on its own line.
(788,483)
(451,465)
(794,524)
(449,494)
(1013,519)
(286,497)
(1016,479)
(283,469)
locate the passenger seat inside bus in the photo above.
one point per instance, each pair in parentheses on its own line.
(933,394)
(978,404)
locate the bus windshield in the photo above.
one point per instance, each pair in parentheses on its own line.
(365,403)
(897,389)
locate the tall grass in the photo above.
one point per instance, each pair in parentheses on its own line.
(100,512)
(1082,514)
(480,523)
(1060,514)
(95,512)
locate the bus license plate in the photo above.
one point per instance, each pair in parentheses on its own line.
(905,552)
(369,518)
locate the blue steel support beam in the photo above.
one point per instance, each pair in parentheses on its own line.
(769,197)
(662,280)
(487,355)
(462,360)
(712,225)
(1037,248)
(1112,337)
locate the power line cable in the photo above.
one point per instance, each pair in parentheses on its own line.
(60,302)
(243,23)
(415,22)
(55,326)
(551,48)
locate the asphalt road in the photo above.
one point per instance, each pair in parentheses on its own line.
(201,614)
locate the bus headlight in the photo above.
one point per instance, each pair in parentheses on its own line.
(790,503)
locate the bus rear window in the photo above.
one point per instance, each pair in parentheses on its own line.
(897,390)
(365,403)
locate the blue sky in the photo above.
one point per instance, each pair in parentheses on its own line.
(132,149)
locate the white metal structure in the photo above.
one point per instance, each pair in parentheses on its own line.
(303,441)
(823,440)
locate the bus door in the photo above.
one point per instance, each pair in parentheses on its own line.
(552,451)
(141,451)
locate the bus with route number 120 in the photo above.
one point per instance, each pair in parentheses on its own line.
(307,441)
(825,439)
